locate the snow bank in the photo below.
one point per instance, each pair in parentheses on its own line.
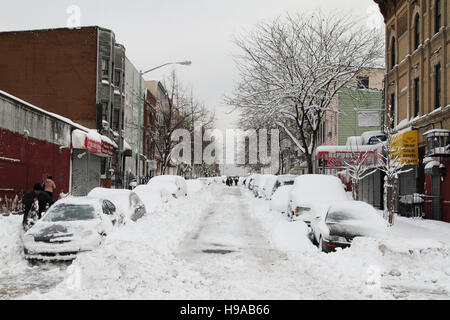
(283,234)
(194,186)
(11,248)
(138,260)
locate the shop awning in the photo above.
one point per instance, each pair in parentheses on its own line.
(94,142)
(127,151)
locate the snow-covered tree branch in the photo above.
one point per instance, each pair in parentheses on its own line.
(292,67)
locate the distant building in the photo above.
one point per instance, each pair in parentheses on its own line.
(77,73)
(356,108)
(417,95)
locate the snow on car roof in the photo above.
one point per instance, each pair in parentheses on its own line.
(95,202)
(316,187)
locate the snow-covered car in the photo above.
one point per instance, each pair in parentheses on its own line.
(126,200)
(70,226)
(279,202)
(259,184)
(176,185)
(272,183)
(311,194)
(152,196)
(343,221)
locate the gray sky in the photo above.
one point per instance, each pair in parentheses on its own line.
(156,32)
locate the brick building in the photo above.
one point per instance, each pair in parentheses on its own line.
(417,92)
(77,73)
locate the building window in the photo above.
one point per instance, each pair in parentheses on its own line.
(117,74)
(335,123)
(392,111)
(116,119)
(416,97)
(416,31)
(363,82)
(105,69)
(393,57)
(438,15)
(437,86)
(105,111)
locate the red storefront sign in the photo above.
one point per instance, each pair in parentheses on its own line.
(92,142)
(107,149)
(93,145)
(340,159)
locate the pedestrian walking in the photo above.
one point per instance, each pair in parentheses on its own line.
(49,186)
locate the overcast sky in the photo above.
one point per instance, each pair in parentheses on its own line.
(156,32)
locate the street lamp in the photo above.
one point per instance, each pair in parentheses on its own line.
(182,63)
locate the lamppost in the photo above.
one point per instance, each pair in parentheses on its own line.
(139,140)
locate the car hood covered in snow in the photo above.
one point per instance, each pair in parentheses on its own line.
(62,240)
(63,231)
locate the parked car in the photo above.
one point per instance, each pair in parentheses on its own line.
(259,184)
(126,200)
(251,182)
(70,226)
(176,185)
(272,183)
(343,221)
(153,196)
(311,194)
(279,202)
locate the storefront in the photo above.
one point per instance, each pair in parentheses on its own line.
(335,160)
(90,150)
(437,181)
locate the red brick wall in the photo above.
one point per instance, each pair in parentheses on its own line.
(52,69)
(26,161)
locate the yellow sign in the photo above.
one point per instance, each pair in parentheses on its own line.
(407,145)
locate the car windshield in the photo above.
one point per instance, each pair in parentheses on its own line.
(70,212)
(340,216)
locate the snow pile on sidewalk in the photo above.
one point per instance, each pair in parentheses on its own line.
(11,249)
(194,186)
(411,261)
(283,234)
(138,261)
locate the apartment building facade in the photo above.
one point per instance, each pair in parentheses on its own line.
(76,73)
(417,94)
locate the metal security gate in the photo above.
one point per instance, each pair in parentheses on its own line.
(369,190)
(86,168)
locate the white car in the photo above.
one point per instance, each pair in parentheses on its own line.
(126,200)
(259,184)
(272,183)
(70,226)
(337,226)
(312,193)
(280,202)
(176,185)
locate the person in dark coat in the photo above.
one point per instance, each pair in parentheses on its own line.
(236,181)
(36,193)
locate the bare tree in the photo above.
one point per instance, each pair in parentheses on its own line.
(390,162)
(177,110)
(358,170)
(292,68)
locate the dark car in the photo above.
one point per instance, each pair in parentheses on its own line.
(344,221)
